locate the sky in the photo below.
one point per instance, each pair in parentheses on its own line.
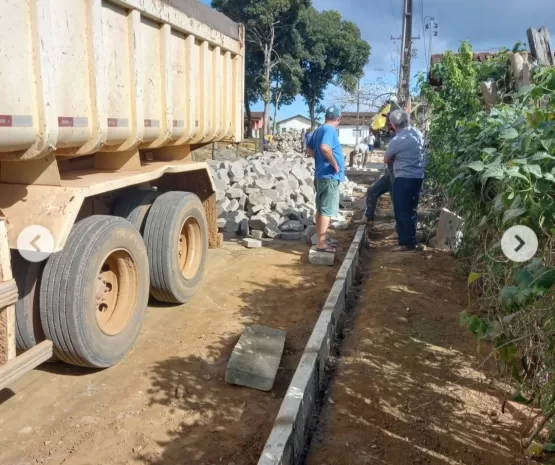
(487,24)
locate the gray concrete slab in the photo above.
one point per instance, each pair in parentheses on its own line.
(320,258)
(255,359)
(251,243)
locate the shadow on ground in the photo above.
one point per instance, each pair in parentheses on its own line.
(409,387)
(213,422)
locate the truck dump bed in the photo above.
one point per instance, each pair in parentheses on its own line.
(84,76)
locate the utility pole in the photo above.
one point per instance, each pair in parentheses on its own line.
(406,56)
(358,112)
(433,28)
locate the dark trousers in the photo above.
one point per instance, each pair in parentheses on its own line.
(406,193)
(352,159)
(382,186)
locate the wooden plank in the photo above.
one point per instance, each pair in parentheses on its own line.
(9,311)
(30,359)
(540,46)
(8,293)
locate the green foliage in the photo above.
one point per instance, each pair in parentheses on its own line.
(334,52)
(497,169)
(286,81)
(271,33)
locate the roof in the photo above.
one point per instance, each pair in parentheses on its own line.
(294,117)
(256,115)
(361,114)
(349,118)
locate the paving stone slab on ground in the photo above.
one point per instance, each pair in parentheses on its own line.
(290,235)
(320,258)
(255,359)
(251,243)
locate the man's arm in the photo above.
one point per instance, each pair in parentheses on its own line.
(328,153)
(326,145)
(310,152)
(391,151)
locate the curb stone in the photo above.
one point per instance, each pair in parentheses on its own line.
(287,439)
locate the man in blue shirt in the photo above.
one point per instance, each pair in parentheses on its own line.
(324,146)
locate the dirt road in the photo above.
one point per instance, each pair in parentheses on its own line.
(167,403)
(408,386)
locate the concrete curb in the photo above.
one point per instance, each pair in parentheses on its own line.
(288,436)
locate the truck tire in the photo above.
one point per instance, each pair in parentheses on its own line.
(94,293)
(176,237)
(134,207)
(28,327)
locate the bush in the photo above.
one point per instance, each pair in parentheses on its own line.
(498,169)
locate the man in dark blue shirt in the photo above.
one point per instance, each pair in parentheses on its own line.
(324,146)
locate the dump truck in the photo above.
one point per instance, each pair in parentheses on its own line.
(103,103)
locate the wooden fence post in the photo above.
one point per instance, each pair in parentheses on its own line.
(540,46)
(522,70)
(489,92)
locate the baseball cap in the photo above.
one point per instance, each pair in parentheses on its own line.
(333,113)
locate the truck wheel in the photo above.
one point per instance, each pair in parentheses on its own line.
(134,207)
(94,293)
(176,237)
(28,327)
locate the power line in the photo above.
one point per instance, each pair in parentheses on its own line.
(451,23)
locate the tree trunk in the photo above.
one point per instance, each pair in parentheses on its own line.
(274,128)
(277,94)
(311,106)
(248,131)
(268,48)
(267,93)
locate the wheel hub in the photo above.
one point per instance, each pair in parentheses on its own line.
(190,248)
(115,292)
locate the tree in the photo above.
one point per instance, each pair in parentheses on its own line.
(270,34)
(286,83)
(334,52)
(371,95)
(253,83)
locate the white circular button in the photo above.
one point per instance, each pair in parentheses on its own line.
(35,243)
(519,243)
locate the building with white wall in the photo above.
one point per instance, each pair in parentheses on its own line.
(347,129)
(295,123)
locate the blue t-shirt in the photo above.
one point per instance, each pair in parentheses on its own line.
(327,135)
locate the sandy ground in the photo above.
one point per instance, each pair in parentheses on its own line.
(167,403)
(408,387)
